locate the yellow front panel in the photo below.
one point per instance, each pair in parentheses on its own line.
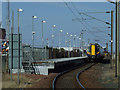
(93,50)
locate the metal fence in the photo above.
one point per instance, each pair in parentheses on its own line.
(15,52)
(36,55)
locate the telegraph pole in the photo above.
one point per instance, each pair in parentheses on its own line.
(111,38)
(117,38)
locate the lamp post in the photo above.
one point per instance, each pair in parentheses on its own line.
(53,38)
(42,38)
(33,32)
(47,42)
(66,39)
(19,10)
(70,42)
(60,41)
(75,41)
(74,45)
(79,45)
(66,42)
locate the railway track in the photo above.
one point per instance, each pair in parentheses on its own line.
(70,78)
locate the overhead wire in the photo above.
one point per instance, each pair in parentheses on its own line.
(96,18)
(89,16)
(73,13)
(85,25)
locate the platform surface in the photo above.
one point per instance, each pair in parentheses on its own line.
(59,60)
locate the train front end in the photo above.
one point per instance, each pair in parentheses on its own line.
(93,52)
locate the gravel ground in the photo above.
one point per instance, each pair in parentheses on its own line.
(99,76)
(28,81)
(44,81)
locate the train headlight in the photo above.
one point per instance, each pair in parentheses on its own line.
(88,52)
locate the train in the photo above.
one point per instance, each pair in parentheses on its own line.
(95,52)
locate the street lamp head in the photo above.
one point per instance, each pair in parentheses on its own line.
(71,35)
(61,30)
(33,32)
(43,21)
(54,26)
(67,33)
(111,1)
(108,23)
(107,11)
(20,10)
(34,16)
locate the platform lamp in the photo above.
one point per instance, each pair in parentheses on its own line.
(53,26)
(43,21)
(19,10)
(80,45)
(75,41)
(60,40)
(33,32)
(66,43)
(70,42)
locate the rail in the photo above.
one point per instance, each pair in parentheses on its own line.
(77,76)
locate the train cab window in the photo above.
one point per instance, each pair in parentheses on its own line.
(89,49)
(96,49)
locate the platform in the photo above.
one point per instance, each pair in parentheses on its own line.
(60,60)
(56,65)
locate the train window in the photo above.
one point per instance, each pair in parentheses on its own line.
(97,48)
(89,49)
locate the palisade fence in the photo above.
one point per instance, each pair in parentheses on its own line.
(14,63)
(37,53)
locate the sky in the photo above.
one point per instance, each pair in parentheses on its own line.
(62,15)
(57,0)
(1,11)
